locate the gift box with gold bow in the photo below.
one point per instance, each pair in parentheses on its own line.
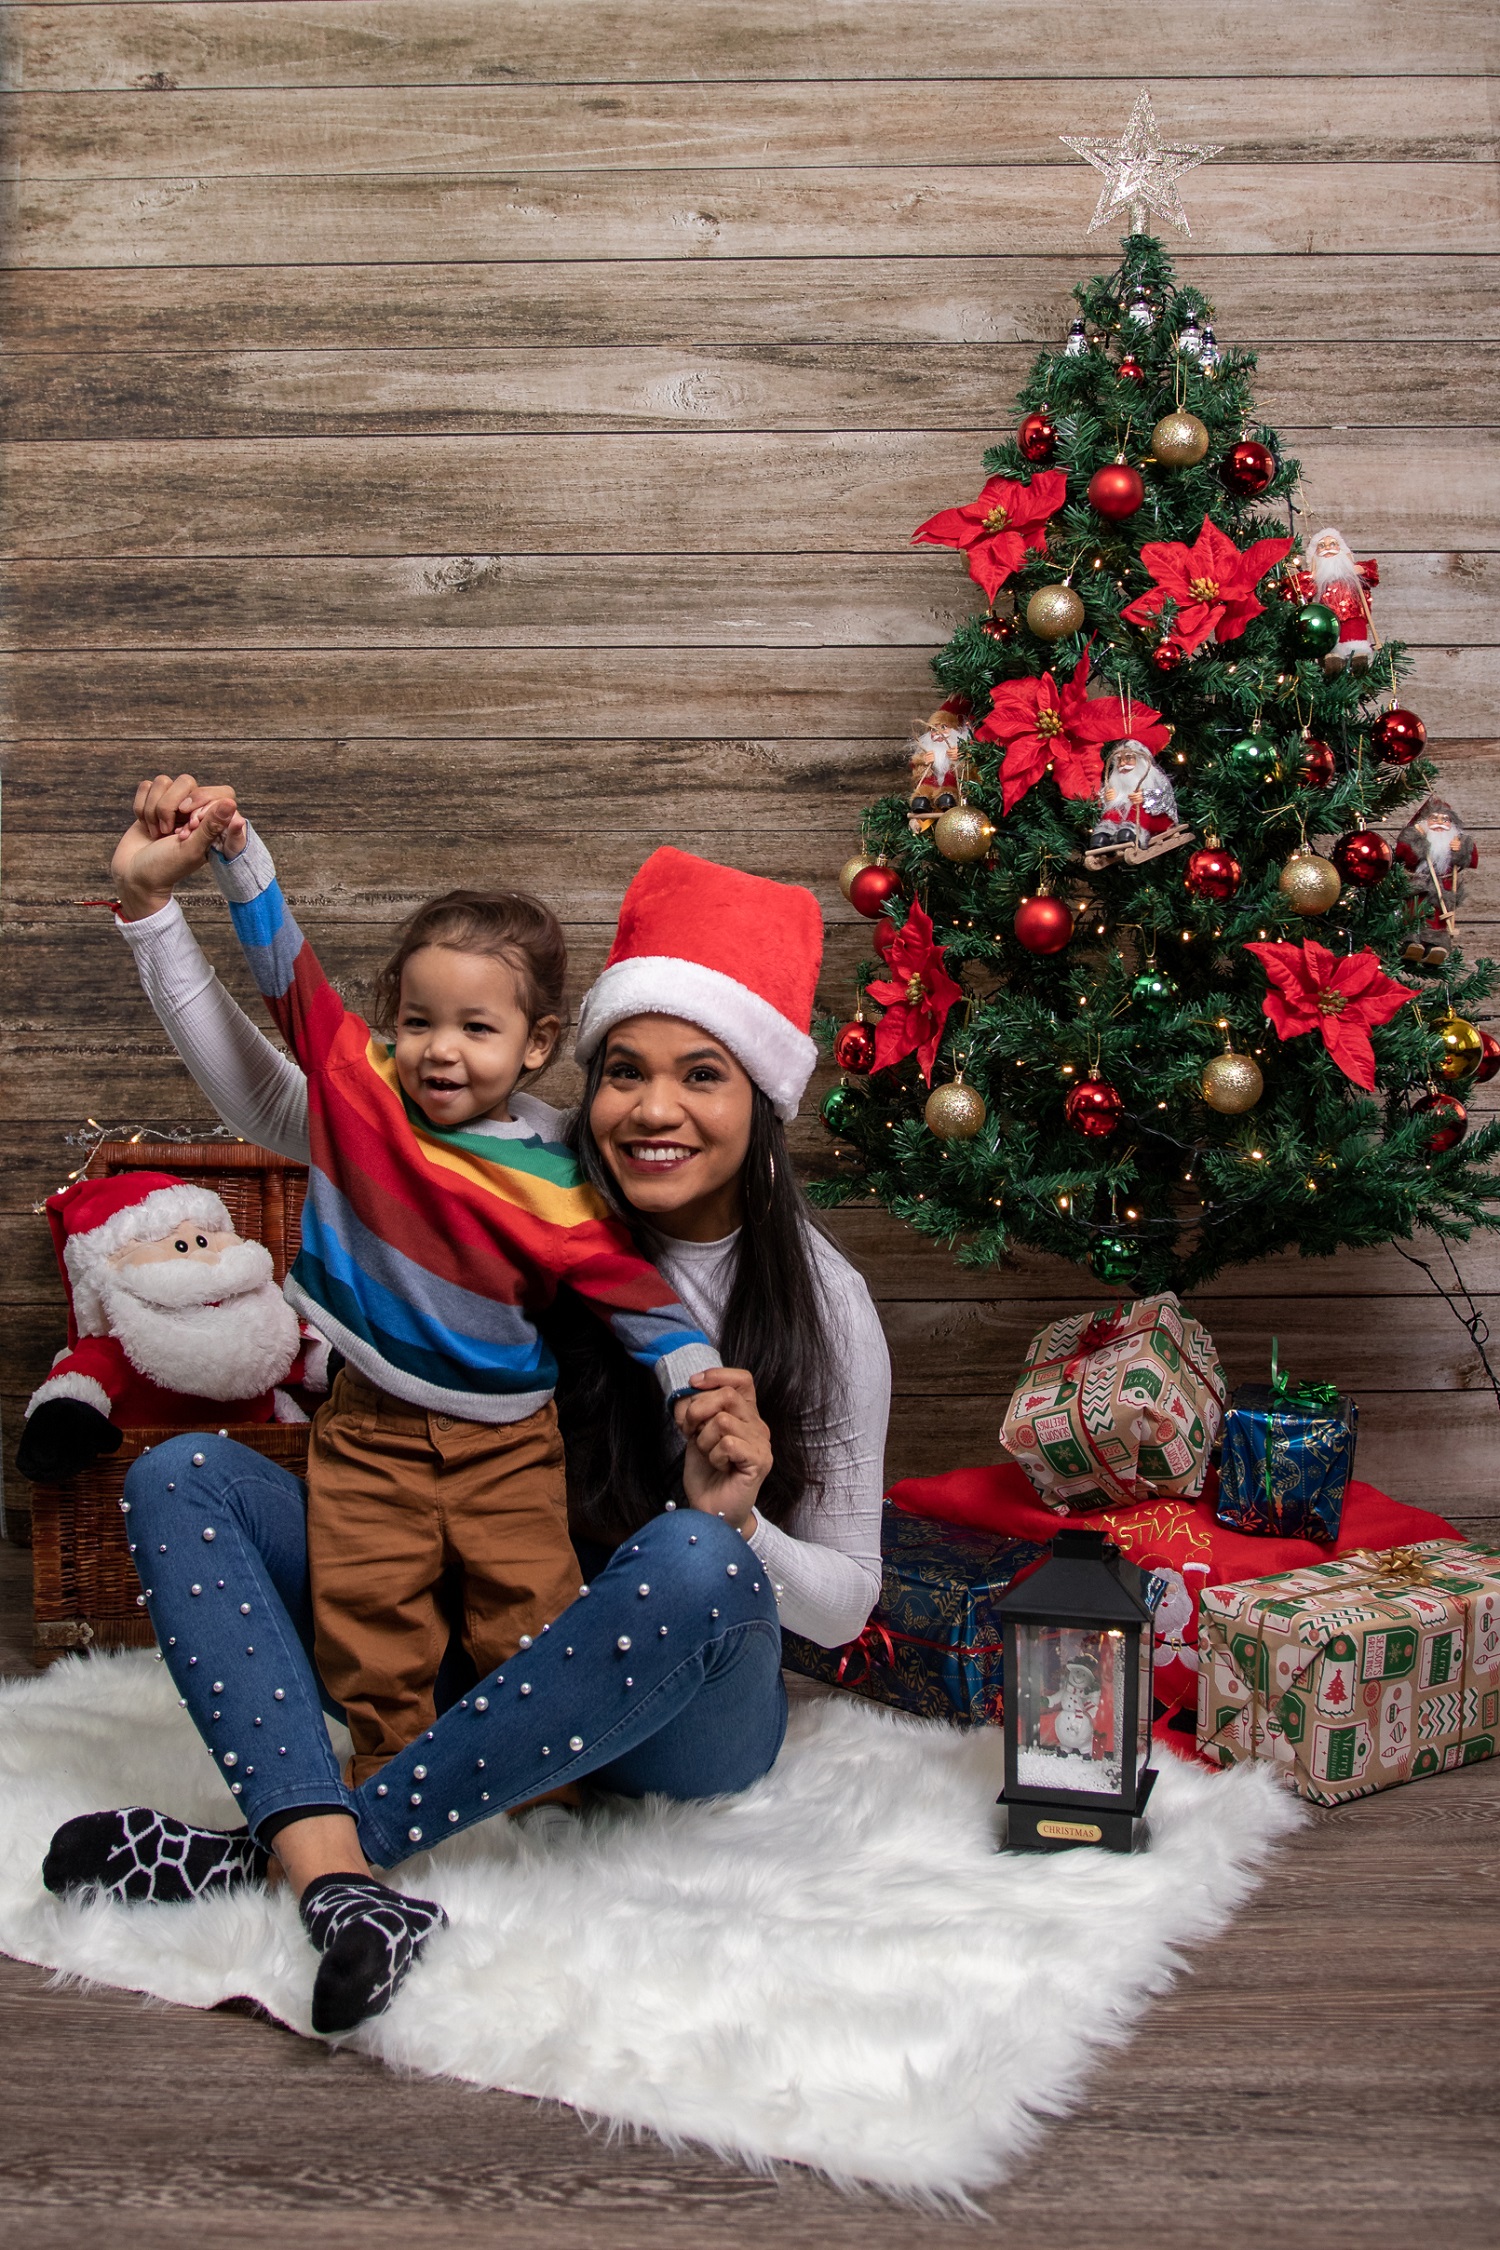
(1117,1405)
(1355,1674)
(1287,1458)
(934,1643)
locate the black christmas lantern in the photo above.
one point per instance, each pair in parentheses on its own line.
(1078,1645)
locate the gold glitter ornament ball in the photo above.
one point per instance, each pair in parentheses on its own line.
(1309,883)
(954,1113)
(1232,1084)
(851,868)
(1463,1048)
(1179,440)
(964,833)
(1053,612)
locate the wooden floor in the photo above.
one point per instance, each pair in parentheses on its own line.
(1326,2073)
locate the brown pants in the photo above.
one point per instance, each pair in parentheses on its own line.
(396,1498)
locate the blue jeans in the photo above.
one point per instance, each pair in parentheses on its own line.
(664,1676)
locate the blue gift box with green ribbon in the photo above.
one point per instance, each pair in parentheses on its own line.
(1287,1458)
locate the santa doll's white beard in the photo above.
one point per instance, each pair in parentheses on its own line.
(1336,570)
(223,1331)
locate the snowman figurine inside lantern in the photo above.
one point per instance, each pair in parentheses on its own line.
(1078,1643)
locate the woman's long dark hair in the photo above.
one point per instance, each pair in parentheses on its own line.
(622,1464)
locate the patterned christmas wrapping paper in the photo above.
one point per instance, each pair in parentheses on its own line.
(933,1644)
(1118,1405)
(1354,1675)
(1287,1459)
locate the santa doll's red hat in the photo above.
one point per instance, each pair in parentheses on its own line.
(737,954)
(93,1219)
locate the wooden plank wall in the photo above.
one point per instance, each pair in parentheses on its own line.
(490,435)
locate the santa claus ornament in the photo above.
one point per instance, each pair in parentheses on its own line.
(1437,852)
(937,765)
(1137,811)
(1331,579)
(173,1320)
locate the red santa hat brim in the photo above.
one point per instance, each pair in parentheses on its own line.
(94,1220)
(736,954)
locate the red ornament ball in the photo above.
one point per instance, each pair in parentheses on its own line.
(854,1046)
(1491,1059)
(1317,769)
(1362,856)
(1037,436)
(1116,490)
(1002,629)
(870,889)
(1212,872)
(1398,736)
(1247,468)
(1043,924)
(1094,1108)
(1167,655)
(1450,1120)
(1130,369)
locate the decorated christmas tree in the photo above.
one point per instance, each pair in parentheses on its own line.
(1151,989)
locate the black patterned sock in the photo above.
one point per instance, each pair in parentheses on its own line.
(141,1854)
(369,1937)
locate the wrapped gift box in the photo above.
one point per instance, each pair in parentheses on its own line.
(1287,1459)
(1118,1405)
(933,1644)
(1354,1675)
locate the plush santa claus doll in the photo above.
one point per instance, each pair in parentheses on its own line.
(173,1320)
(937,764)
(1333,577)
(1137,817)
(1438,852)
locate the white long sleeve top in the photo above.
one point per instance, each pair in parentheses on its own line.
(825,1563)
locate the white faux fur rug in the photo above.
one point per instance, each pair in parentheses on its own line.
(835,1968)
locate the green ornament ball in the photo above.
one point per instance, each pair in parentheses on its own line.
(1254,758)
(1317,629)
(840,1108)
(1153,989)
(1115,1257)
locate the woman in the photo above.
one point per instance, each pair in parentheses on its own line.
(664,1675)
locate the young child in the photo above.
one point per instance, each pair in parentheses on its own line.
(440,1220)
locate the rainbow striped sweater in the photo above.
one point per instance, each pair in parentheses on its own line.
(428,1254)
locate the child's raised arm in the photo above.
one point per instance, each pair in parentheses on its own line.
(304,1006)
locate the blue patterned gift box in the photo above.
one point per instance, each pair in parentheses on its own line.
(933,1644)
(1287,1459)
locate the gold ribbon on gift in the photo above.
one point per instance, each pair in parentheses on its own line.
(1401,1570)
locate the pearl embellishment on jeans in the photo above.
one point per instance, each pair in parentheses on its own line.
(218,1687)
(381,1790)
(526,1687)
(231,1758)
(713,1613)
(245,1606)
(419,1773)
(416,1796)
(643,1590)
(575,1741)
(481,1703)
(209,1535)
(525,1641)
(414,1835)
(195,1589)
(623,1642)
(734,1570)
(661,1632)
(197,1460)
(280,1694)
(453,1816)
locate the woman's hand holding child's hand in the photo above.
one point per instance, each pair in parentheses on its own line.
(728,1455)
(177,823)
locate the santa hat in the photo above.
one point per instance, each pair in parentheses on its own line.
(93,1219)
(735,953)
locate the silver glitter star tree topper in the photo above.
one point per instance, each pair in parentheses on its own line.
(1140,169)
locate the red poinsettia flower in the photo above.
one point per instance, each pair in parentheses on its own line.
(916,996)
(1065,728)
(1211,582)
(1314,990)
(996,529)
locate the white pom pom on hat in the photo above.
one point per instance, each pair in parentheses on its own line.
(734,953)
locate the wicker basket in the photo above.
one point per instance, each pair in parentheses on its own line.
(85,1590)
